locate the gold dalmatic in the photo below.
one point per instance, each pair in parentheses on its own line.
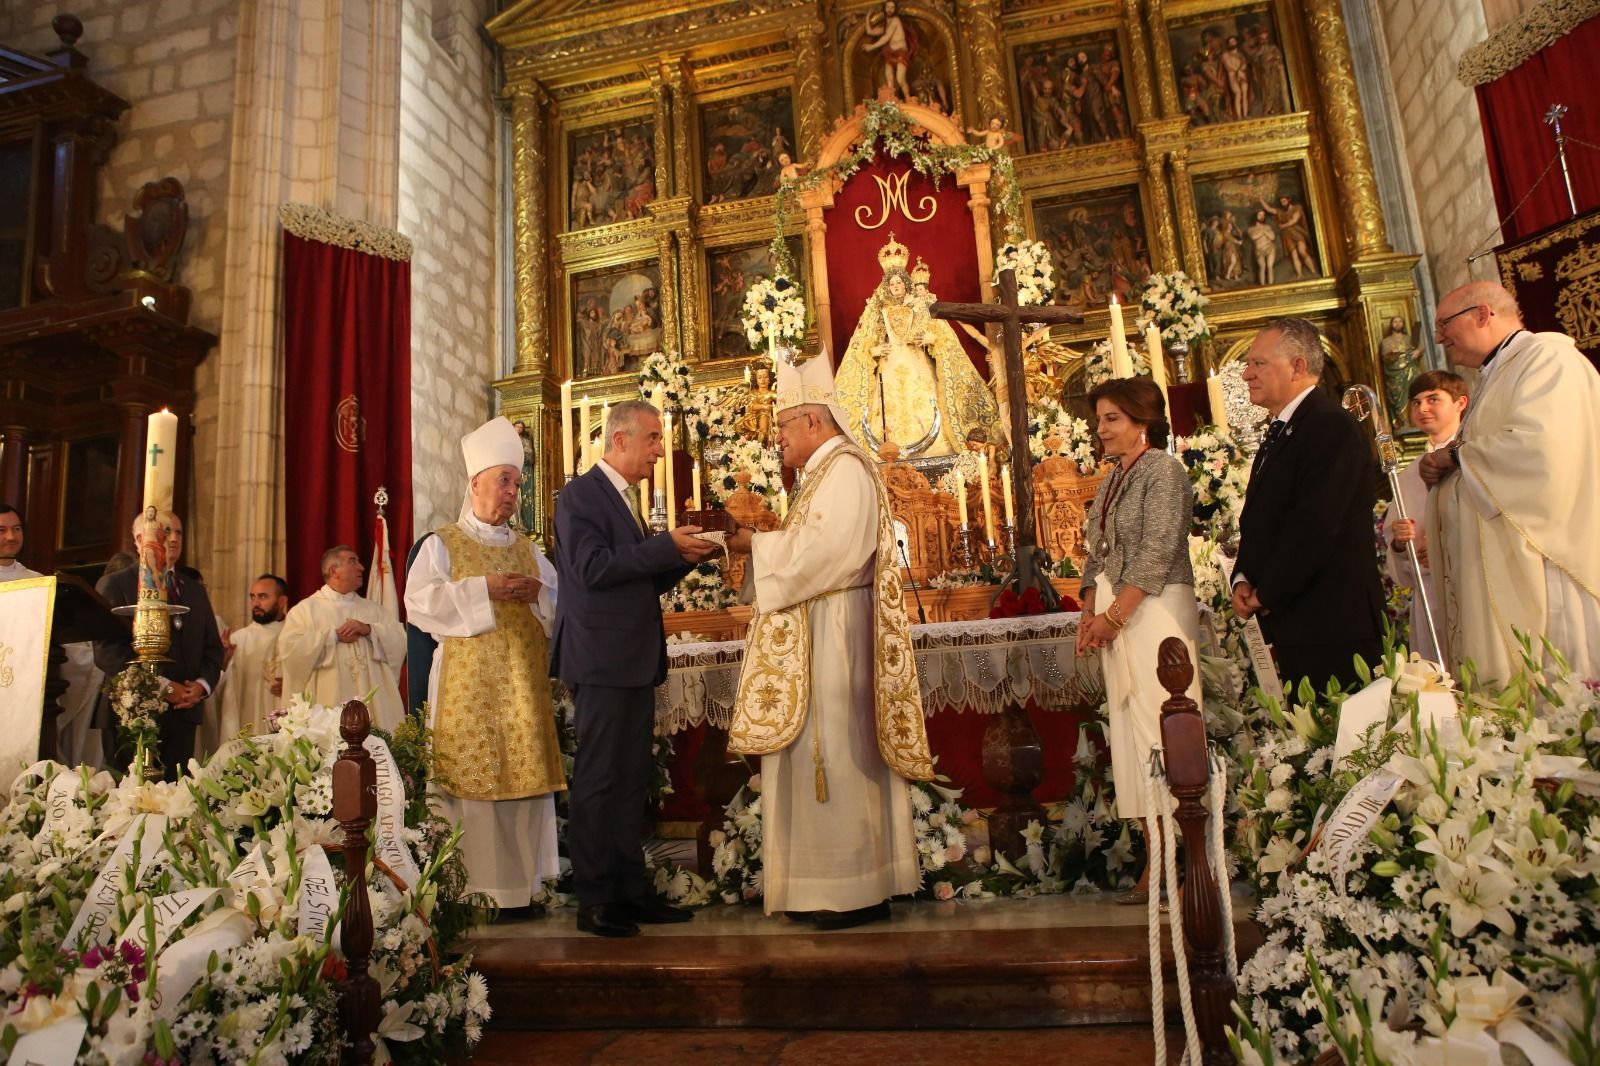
(774,693)
(494,732)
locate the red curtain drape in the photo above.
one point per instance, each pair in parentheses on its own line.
(347,401)
(1520,145)
(944,241)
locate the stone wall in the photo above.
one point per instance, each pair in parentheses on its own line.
(173,61)
(1442,136)
(448,207)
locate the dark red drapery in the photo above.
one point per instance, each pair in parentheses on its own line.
(944,241)
(347,401)
(1520,145)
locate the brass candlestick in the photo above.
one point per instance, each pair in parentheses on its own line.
(964,551)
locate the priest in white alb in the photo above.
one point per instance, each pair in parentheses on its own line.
(1513,515)
(828,695)
(489,598)
(11,546)
(252,685)
(338,646)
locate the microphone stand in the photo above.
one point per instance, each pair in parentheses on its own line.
(922,616)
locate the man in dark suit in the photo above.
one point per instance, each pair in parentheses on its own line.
(1307,562)
(195,655)
(610,650)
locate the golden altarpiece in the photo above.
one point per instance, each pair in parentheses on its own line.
(1224,139)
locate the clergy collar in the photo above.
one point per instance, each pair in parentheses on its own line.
(1483,367)
(823,450)
(480,530)
(343,597)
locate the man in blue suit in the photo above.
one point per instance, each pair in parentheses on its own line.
(610,650)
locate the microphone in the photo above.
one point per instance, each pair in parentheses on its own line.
(922,616)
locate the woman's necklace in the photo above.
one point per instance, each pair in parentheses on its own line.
(1119,481)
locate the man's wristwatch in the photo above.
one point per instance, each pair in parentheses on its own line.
(1455,454)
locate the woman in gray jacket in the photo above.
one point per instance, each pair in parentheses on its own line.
(1138,583)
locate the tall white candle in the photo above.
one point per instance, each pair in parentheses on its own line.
(585,445)
(1219,402)
(783,504)
(694,471)
(961,499)
(1121,363)
(1005,487)
(160,459)
(988,505)
(605,441)
(566,427)
(1158,365)
(671,482)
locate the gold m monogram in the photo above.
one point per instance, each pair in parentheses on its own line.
(893,192)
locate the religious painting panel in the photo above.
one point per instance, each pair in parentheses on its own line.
(611,173)
(1098,243)
(730,271)
(616,319)
(1230,65)
(745,143)
(1070,91)
(1256,228)
(901,54)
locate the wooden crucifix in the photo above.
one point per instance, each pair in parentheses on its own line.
(1029,571)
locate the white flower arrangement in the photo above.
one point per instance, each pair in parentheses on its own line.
(773,305)
(707,423)
(1177,307)
(1053,432)
(1097,364)
(702,589)
(135,694)
(742,456)
(1220,473)
(1470,911)
(243,826)
(1030,260)
(672,374)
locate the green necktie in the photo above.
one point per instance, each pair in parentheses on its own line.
(633,507)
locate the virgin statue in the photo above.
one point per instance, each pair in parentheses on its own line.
(905,377)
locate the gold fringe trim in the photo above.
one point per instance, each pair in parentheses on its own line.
(312,223)
(1522,38)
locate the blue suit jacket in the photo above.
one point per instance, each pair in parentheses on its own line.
(608,611)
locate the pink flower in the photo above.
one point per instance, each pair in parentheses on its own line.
(944,890)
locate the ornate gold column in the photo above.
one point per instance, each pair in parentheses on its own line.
(682,167)
(980,32)
(1165,78)
(530,225)
(1139,62)
(1161,137)
(667,252)
(672,248)
(666,173)
(1194,259)
(810,99)
(1365,233)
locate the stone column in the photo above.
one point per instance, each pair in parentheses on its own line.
(1365,234)
(811,109)
(980,32)
(530,225)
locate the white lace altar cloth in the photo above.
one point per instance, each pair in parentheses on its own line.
(986,664)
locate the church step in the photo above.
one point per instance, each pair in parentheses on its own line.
(1051,961)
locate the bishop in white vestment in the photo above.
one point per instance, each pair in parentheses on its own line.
(828,695)
(252,686)
(338,646)
(1514,521)
(489,598)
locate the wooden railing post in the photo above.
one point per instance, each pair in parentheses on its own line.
(355,805)
(1183,742)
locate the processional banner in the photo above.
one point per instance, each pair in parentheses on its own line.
(1555,276)
(27,609)
(347,384)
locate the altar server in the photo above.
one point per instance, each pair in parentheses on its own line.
(489,598)
(828,695)
(338,646)
(1514,519)
(11,546)
(252,686)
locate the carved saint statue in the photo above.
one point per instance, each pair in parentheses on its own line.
(905,377)
(756,422)
(523,520)
(890,32)
(1399,357)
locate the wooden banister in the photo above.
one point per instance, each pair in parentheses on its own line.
(355,805)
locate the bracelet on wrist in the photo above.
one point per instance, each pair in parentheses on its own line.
(1114,615)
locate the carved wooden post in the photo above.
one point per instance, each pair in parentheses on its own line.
(1013,765)
(718,776)
(1183,740)
(355,805)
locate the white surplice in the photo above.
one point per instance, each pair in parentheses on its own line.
(509,846)
(12,570)
(1514,536)
(1414,494)
(244,694)
(858,848)
(83,688)
(316,662)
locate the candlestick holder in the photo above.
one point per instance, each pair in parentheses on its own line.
(965,556)
(1008,537)
(658,512)
(1180,360)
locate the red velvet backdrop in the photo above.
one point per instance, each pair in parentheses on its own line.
(1520,145)
(347,402)
(944,241)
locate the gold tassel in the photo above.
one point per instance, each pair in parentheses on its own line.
(822,775)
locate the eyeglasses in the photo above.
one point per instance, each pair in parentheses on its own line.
(1440,323)
(791,420)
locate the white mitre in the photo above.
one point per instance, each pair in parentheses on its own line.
(804,379)
(495,443)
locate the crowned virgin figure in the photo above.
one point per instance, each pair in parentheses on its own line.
(905,377)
